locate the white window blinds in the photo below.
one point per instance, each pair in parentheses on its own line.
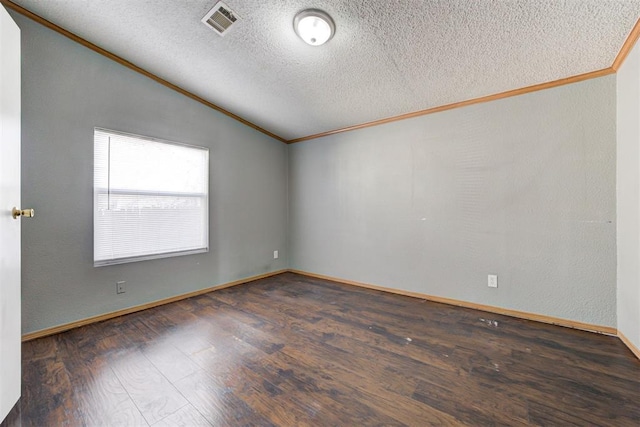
(150,198)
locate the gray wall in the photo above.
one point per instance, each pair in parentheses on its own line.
(67,90)
(628,191)
(522,187)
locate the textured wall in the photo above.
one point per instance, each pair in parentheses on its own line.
(628,191)
(522,187)
(67,90)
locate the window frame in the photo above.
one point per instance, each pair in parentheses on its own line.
(101,191)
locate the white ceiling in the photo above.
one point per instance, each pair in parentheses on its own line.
(388,57)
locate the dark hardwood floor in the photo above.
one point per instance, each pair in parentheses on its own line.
(292,351)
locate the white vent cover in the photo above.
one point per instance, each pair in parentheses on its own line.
(221,18)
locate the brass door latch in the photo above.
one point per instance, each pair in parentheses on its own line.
(27,213)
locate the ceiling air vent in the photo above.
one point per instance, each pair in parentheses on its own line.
(220,19)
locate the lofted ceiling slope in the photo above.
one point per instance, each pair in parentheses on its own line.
(387,58)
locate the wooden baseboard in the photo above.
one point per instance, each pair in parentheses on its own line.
(94,319)
(488,308)
(635,350)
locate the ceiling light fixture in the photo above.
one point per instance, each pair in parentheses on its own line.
(314,26)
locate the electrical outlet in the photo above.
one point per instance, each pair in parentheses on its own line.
(120,288)
(275,254)
(492,280)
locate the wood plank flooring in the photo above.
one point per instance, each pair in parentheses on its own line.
(290,350)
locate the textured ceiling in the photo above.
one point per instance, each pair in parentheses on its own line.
(387,57)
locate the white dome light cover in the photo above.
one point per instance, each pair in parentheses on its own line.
(314,26)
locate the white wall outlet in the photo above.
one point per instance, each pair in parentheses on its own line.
(492,280)
(275,255)
(120,288)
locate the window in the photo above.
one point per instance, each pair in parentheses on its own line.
(150,198)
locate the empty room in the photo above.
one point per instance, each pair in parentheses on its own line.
(320,213)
